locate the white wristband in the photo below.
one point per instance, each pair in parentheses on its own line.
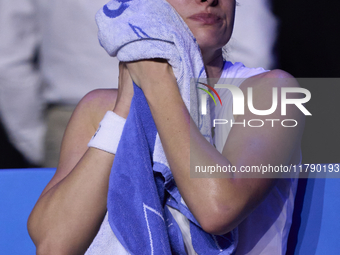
(108,133)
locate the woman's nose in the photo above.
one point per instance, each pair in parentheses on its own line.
(209,2)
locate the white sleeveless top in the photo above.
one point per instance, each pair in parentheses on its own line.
(265,231)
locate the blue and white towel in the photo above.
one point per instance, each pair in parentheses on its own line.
(141,183)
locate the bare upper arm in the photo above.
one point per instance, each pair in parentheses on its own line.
(253,146)
(81,127)
(271,143)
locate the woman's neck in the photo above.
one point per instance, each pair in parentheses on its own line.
(213,64)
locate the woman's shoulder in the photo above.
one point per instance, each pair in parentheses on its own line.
(243,77)
(82,126)
(99,98)
(95,104)
(270,79)
(277,73)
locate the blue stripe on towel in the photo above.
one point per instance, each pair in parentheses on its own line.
(134,200)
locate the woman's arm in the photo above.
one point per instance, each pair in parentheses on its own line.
(71,208)
(219,204)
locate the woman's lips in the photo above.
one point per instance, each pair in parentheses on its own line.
(206,18)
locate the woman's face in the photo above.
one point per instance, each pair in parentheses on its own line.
(211,21)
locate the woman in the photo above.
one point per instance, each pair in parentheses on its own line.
(71,208)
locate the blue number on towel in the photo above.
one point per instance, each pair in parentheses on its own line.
(115,13)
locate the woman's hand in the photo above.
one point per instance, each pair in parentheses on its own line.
(125,92)
(148,73)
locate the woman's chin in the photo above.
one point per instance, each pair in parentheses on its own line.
(210,42)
